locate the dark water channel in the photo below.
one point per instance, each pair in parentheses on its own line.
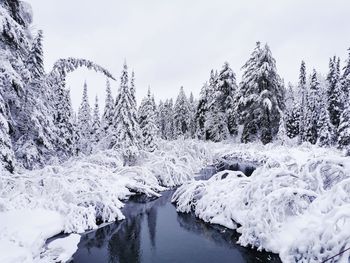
(154,232)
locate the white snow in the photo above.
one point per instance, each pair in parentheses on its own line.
(36,205)
(297,203)
(23,233)
(61,250)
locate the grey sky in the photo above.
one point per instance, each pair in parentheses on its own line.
(174,43)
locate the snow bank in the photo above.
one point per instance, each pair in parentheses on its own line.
(72,196)
(23,233)
(297,203)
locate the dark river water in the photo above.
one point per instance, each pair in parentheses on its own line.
(154,232)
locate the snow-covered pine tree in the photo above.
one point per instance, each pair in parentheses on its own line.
(192,104)
(261,97)
(35,61)
(201,113)
(344,128)
(161,120)
(292,113)
(7,158)
(85,124)
(147,120)
(132,88)
(108,112)
(216,123)
(303,96)
(96,123)
(63,122)
(326,129)
(312,110)
(334,91)
(345,79)
(169,121)
(282,132)
(225,96)
(126,129)
(182,115)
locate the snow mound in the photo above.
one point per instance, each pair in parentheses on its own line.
(297,203)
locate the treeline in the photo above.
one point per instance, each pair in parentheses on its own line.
(38,125)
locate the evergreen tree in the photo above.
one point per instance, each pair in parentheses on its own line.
(326,129)
(334,92)
(312,114)
(303,94)
(7,158)
(161,120)
(225,96)
(85,124)
(132,89)
(201,113)
(192,104)
(182,115)
(126,130)
(344,128)
(282,132)
(35,61)
(108,112)
(169,123)
(292,113)
(96,123)
(261,97)
(63,122)
(345,79)
(147,120)
(216,123)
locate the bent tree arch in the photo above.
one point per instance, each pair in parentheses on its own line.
(62,67)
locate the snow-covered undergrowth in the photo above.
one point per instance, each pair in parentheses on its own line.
(84,189)
(297,203)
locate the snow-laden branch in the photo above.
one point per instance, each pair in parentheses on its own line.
(64,66)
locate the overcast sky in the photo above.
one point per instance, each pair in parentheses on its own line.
(175,43)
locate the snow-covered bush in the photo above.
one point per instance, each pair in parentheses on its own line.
(297,203)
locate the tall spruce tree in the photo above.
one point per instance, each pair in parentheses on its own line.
(261,97)
(292,113)
(201,113)
(126,130)
(107,117)
(312,110)
(147,120)
(96,123)
(192,104)
(303,97)
(334,92)
(345,79)
(282,131)
(161,120)
(169,133)
(85,124)
(326,129)
(344,128)
(226,93)
(182,115)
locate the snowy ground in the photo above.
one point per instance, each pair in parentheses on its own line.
(36,205)
(296,203)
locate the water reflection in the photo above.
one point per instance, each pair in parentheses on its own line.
(154,232)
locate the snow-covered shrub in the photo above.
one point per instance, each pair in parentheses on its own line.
(295,204)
